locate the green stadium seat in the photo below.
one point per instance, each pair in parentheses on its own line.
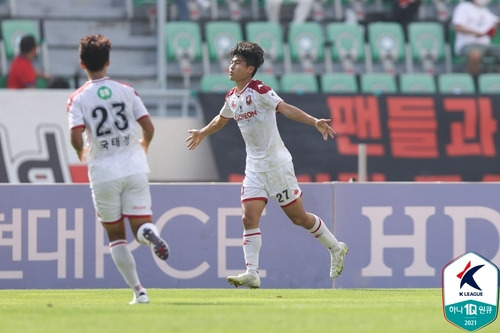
(348,44)
(387,45)
(183,46)
(12,32)
(339,83)
(457,61)
(456,83)
(376,83)
(144,2)
(269,35)
(216,82)
(220,37)
(41,83)
(269,79)
(183,40)
(306,42)
(299,83)
(3,81)
(489,83)
(417,83)
(427,42)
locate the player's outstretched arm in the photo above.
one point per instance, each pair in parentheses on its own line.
(197,135)
(294,113)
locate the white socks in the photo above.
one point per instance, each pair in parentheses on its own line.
(323,234)
(140,232)
(125,263)
(252,241)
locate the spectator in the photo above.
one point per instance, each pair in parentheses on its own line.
(23,73)
(182,10)
(474,24)
(404,11)
(300,15)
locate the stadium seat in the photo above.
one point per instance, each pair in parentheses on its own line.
(269,79)
(376,83)
(3,81)
(417,83)
(183,43)
(387,45)
(12,32)
(456,83)
(41,82)
(269,35)
(427,42)
(221,36)
(489,83)
(299,83)
(215,82)
(339,83)
(306,43)
(457,61)
(348,44)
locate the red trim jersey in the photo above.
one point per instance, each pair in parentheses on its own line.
(254,109)
(109,110)
(22,73)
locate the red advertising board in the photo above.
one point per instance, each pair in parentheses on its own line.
(408,137)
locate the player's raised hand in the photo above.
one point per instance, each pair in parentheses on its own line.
(194,139)
(323,126)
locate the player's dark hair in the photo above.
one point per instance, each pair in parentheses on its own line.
(251,53)
(94,52)
(27,44)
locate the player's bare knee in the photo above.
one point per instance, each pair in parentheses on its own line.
(249,223)
(298,220)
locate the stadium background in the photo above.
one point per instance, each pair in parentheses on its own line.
(449,133)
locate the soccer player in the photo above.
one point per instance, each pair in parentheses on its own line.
(109,116)
(269,170)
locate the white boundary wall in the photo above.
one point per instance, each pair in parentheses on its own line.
(24,114)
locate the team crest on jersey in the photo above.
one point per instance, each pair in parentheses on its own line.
(104,92)
(249,100)
(234,104)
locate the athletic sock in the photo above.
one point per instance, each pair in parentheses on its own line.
(323,234)
(140,232)
(125,263)
(252,241)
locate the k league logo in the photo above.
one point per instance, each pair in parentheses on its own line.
(470,292)
(467,277)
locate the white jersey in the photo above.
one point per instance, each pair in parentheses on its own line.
(254,109)
(476,18)
(109,110)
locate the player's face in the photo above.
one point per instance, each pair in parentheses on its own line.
(238,70)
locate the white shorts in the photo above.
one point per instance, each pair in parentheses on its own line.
(127,196)
(280,184)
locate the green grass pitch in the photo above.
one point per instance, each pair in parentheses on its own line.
(226,310)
